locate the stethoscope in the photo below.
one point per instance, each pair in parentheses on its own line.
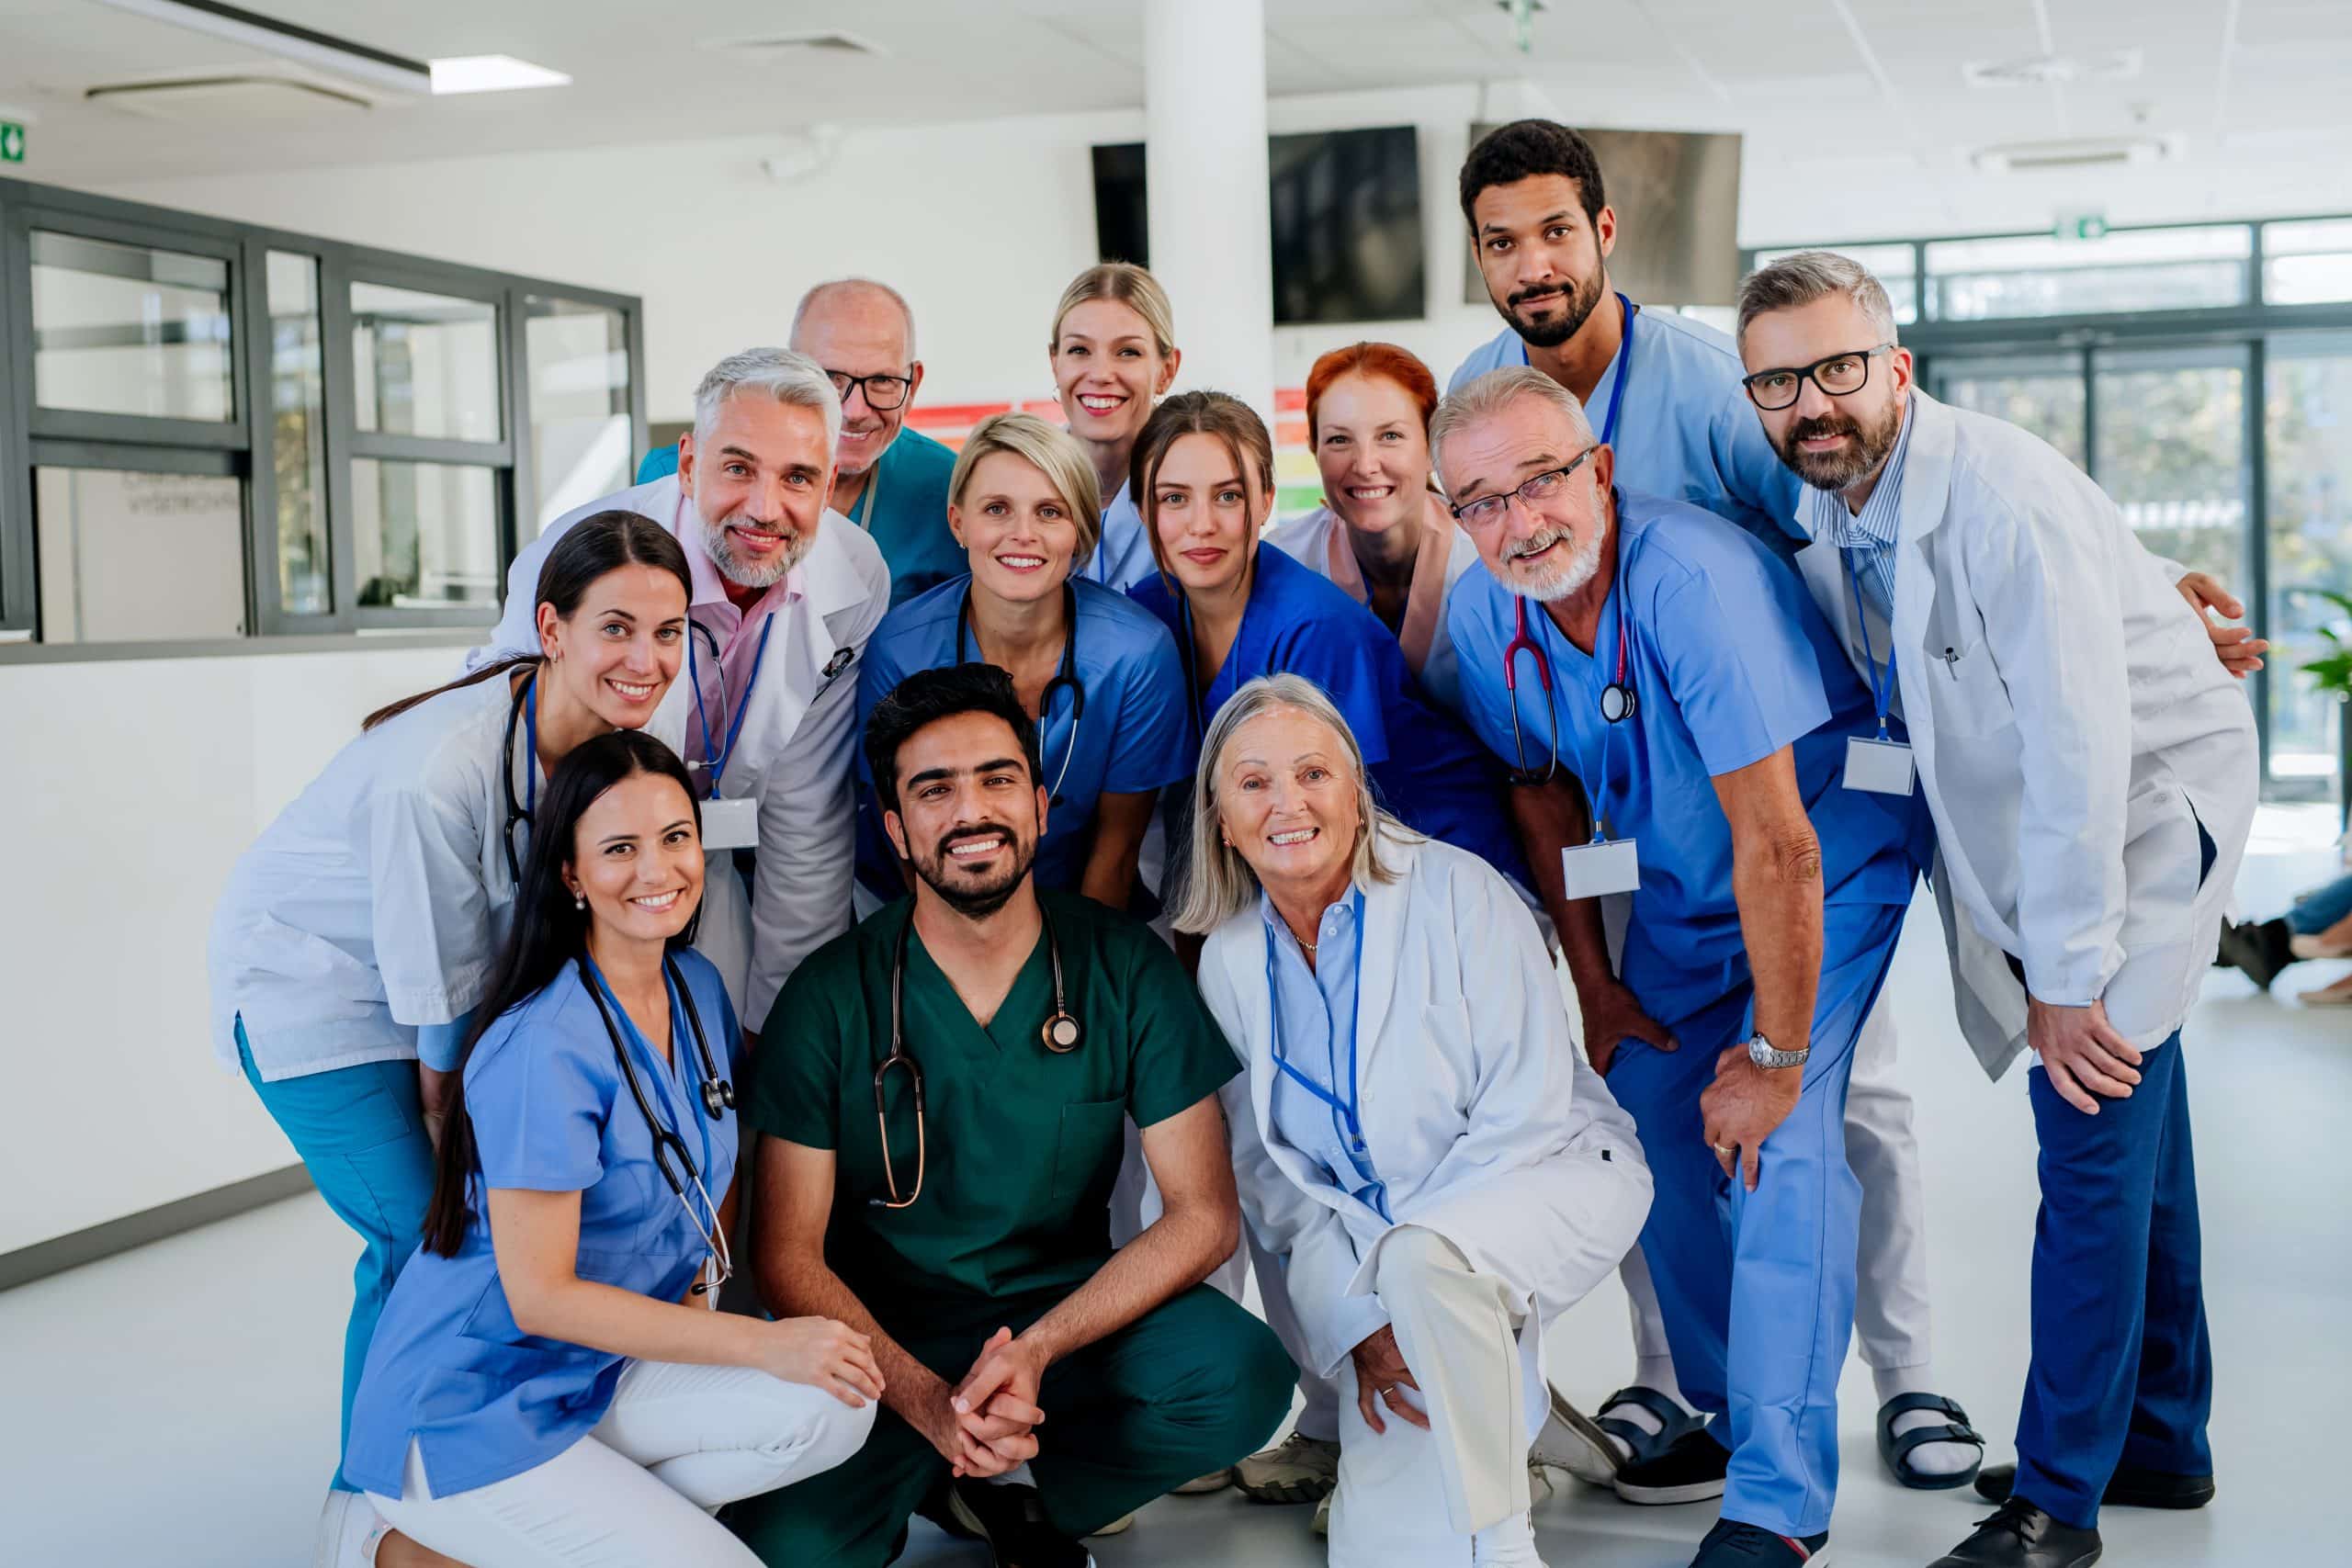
(1618,700)
(1060,1035)
(525,707)
(718,1098)
(1065,678)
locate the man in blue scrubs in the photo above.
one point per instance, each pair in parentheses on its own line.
(889,481)
(1767,898)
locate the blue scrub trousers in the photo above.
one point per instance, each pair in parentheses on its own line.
(1756,1289)
(361,1133)
(2320,907)
(2119,1374)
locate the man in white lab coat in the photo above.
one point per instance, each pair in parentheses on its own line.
(786,595)
(2091,770)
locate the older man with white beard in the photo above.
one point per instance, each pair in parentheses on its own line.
(1663,658)
(786,595)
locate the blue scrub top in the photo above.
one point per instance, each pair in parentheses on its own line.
(1729,661)
(1134,738)
(1425,767)
(1123,557)
(483,1400)
(1687,430)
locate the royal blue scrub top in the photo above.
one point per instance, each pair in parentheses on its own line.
(1425,767)
(1729,661)
(483,1400)
(1134,738)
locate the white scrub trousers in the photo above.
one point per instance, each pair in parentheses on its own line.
(676,1443)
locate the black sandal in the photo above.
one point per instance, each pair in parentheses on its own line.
(1673,1421)
(1896,1450)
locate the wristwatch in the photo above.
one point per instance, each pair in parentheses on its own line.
(1762,1052)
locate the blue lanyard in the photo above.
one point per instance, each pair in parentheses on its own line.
(1343,1108)
(681,1035)
(1625,369)
(742,704)
(1882,686)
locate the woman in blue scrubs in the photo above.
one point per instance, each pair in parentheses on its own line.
(1113,354)
(1098,673)
(548,1383)
(357,934)
(1204,467)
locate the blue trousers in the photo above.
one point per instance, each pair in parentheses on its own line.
(2320,907)
(2123,1367)
(1756,1289)
(361,1132)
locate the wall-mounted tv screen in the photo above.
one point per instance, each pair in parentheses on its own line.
(1345,212)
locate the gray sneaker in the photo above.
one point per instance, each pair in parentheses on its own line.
(1570,1441)
(1297,1470)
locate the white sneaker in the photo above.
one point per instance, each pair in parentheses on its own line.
(1299,1469)
(348,1532)
(1570,1441)
(1510,1544)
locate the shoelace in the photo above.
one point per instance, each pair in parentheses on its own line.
(2016,1516)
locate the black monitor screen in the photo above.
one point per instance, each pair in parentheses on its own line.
(1121,229)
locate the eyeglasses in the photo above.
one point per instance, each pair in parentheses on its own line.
(882,392)
(1840,376)
(1489,510)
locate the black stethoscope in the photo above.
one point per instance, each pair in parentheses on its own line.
(525,707)
(1059,1035)
(1065,678)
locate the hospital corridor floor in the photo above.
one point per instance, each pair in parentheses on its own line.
(174,1405)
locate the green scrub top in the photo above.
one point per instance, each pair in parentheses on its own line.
(1024,1145)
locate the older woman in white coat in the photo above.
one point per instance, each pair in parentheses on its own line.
(1415,1133)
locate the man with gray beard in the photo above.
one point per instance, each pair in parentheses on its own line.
(1660,657)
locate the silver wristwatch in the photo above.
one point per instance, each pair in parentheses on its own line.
(1761,1052)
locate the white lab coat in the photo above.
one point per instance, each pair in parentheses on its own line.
(1308,539)
(2071,728)
(793,756)
(1482,1117)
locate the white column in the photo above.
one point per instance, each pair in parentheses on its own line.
(1204,169)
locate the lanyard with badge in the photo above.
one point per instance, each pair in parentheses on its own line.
(728,824)
(1882,766)
(1343,1112)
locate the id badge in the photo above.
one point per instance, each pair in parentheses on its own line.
(1592,871)
(1882,767)
(731,824)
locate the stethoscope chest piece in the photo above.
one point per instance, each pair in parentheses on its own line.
(1617,702)
(1061,1034)
(718,1096)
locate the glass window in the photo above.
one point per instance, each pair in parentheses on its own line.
(2145,270)
(581,444)
(2040,393)
(127,329)
(2307,263)
(2171,450)
(139,557)
(1895,266)
(426,364)
(298,435)
(2309,451)
(425,533)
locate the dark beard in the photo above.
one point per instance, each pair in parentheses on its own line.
(1583,294)
(976,903)
(1838,471)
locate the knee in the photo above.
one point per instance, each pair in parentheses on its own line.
(1239,1393)
(1411,1258)
(813,1433)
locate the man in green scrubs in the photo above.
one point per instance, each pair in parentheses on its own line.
(976,1254)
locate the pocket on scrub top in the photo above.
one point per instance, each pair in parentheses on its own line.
(1970,697)
(1088,1145)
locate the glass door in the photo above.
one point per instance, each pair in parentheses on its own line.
(2307,444)
(2045,393)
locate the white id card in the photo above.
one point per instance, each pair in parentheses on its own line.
(1882,767)
(1592,870)
(731,824)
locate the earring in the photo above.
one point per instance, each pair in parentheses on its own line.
(579,900)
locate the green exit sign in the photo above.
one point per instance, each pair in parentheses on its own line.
(2081,226)
(12,142)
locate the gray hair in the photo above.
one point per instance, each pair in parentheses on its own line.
(1495,391)
(816,297)
(1796,281)
(789,378)
(1219,884)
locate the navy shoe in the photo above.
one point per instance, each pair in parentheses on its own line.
(2128,1487)
(2023,1536)
(1734,1545)
(1688,1470)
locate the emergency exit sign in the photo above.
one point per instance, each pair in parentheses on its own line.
(12,142)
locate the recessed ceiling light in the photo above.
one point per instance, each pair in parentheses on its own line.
(492,73)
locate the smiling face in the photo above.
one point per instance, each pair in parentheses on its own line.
(1291,805)
(858,332)
(1541,256)
(1830,442)
(1205,508)
(1544,549)
(1107,371)
(636,858)
(1015,529)
(758,479)
(618,650)
(1375,453)
(969,814)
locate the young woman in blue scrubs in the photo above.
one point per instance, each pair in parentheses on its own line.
(1113,353)
(549,1384)
(1096,670)
(1204,467)
(358,932)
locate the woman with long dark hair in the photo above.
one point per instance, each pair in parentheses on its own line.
(545,1385)
(355,935)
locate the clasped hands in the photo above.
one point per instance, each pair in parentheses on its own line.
(987,1424)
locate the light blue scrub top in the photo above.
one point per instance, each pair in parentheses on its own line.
(1425,766)
(1134,738)
(1687,430)
(483,1400)
(1123,557)
(1315,1039)
(1729,661)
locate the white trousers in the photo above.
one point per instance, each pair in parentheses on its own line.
(676,1443)
(1891,1314)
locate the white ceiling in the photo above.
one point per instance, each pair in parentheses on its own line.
(1860,93)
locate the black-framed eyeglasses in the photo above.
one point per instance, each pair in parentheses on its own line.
(1489,510)
(882,392)
(1839,374)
